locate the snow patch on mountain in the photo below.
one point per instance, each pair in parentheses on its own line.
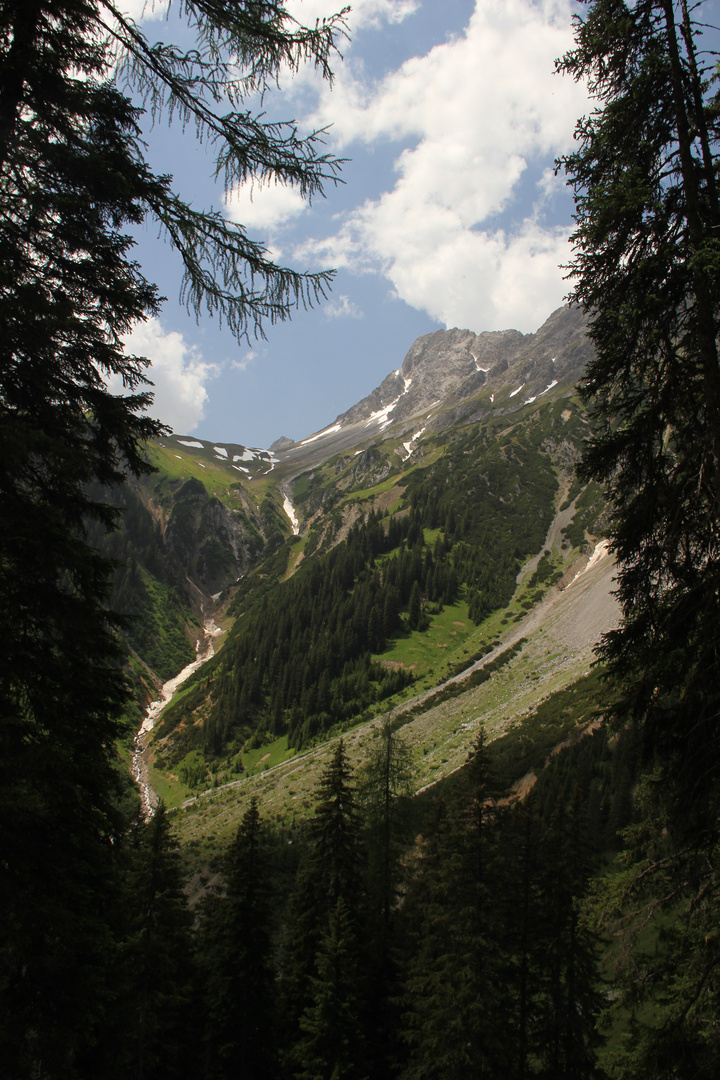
(409,446)
(321,435)
(382,416)
(600,551)
(290,511)
(191,442)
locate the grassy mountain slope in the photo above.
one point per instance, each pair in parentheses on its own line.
(187,532)
(404,574)
(540,653)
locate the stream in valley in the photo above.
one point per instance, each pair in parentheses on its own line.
(204,649)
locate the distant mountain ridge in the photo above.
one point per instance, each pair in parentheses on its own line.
(447,366)
(213,511)
(447,376)
(453,375)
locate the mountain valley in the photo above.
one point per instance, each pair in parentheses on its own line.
(391,750)
(368,572)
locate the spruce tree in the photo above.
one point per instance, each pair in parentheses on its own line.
(430,1028)
(74,181)
(521,916)
(415,609)
(384,785)
(235,953)
(155,969)
(336,853)
(332,1041)
(385,790)
(327,898)
(646,270)
(456,1006)
(144,980)
(568,1004)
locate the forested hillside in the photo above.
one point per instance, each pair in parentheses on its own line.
(329,938)
(319,631)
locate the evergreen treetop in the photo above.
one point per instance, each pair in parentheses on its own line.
(646,268)
(74,181)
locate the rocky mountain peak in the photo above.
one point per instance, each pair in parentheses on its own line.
(451,376)
(448,366)
(281,444)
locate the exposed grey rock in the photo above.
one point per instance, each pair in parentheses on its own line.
(210,541)
(281,444)
(369,468)
(452,376)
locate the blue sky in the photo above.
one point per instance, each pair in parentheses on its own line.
(450,214)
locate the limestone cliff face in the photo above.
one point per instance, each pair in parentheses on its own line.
(449,366)
(453,376)
(211,542)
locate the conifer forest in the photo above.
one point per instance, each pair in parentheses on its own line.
(435,793)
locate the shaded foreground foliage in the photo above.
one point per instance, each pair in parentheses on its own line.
(440,939)
(646,269)
(74,183)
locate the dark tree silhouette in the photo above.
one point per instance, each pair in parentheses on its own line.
(73,181)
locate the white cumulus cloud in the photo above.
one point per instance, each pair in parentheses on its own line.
(475,116)
(343,308)
(264,206)
(363,13)
(178,372)
(144,9)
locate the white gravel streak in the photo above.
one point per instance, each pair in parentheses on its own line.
(204,649)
